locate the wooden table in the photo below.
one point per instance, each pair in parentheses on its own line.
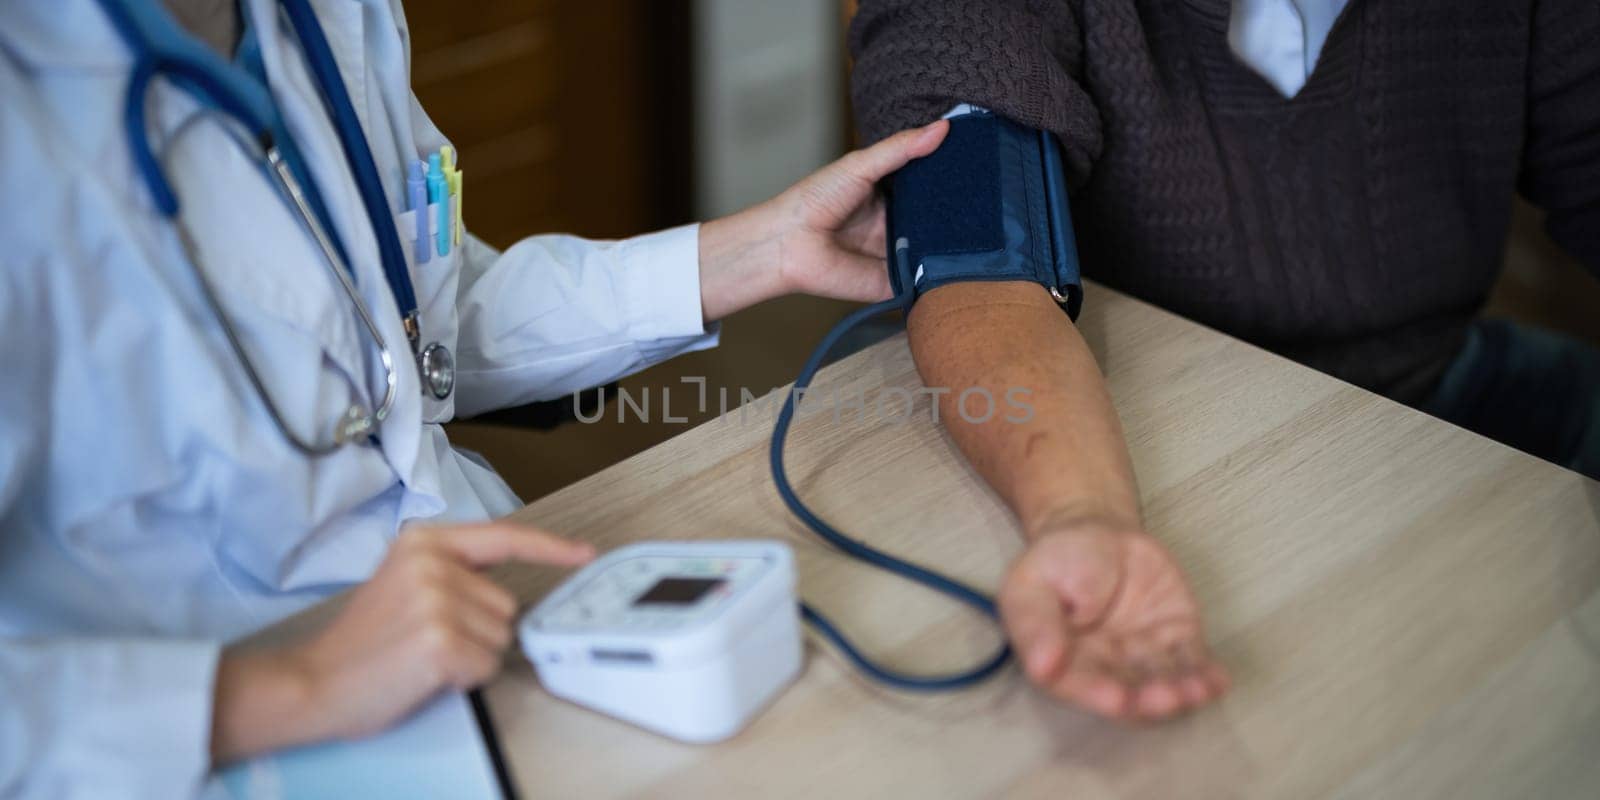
(1408,610)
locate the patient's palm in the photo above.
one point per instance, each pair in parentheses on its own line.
(1107,620)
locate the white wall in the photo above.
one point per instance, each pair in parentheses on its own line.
(767,90)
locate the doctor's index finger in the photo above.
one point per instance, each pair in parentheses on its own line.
(489,543)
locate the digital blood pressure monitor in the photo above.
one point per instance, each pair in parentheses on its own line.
(687,639)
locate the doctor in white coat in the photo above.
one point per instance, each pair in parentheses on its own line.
(150,509)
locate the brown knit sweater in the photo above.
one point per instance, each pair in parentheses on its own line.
(1356,227)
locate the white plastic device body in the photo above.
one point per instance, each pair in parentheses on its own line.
(687,639)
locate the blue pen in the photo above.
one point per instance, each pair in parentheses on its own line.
(439,192)
(417,192)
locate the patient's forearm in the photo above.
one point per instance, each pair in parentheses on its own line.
(1068,462)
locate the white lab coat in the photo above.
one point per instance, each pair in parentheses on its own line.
(149,510)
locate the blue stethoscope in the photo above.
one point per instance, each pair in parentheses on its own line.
(162,49)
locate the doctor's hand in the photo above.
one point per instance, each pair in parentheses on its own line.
(427,620)
(1101,617)
(823,236)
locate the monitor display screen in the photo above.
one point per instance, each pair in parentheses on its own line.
(678,591)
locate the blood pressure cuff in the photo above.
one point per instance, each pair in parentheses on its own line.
(989,205)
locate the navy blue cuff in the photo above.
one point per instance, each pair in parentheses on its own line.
(989,205)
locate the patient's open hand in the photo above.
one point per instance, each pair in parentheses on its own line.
(1102,618)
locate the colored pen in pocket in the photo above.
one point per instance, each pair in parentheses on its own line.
(417,198)
(452,177)
(439,192)
(458,180)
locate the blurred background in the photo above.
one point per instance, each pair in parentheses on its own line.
(607,118)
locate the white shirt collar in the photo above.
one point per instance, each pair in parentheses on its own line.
(1281,40)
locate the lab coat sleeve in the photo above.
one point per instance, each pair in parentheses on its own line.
(95,718)
(556,314)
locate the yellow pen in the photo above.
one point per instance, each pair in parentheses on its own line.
(452,176)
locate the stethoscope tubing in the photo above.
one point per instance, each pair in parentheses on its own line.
(359,157)
(356,423)
(227,91)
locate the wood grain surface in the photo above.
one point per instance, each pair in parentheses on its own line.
(1408,609)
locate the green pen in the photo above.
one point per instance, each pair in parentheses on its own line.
(453,178)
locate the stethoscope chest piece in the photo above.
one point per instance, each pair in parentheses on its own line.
(438,370)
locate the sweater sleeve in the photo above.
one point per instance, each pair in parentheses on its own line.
(1561,154)
(914,59)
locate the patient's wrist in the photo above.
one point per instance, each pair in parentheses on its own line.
(1082,516)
